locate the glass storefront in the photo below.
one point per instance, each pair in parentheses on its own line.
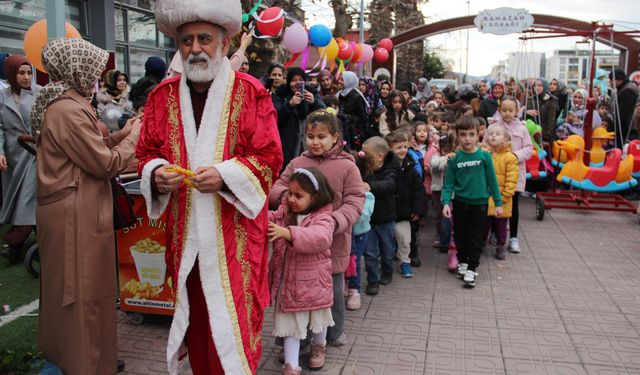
(137,37)
(17,16)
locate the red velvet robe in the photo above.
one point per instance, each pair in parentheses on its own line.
(225,231)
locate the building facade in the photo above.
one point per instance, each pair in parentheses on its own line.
(126,28)
(573,66)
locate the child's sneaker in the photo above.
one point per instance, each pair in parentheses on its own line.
(353,302)
(514,246)
(318,354)
(288,370)
(462,269)
(453,260)
(500,253)
(405,270)
(470,279)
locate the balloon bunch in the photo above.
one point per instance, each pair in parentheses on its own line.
(298,39)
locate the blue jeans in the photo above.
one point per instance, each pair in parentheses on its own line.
(381,244)
(445,233)
(358,245)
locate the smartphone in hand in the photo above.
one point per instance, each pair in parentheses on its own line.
(301,88)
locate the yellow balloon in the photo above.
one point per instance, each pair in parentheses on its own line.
(330,51)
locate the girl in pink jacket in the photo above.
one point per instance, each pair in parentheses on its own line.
(521,146)
(300,268)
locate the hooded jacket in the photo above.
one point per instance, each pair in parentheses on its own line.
(340,170)
(505,165)
(521,145)
(411,197)
(383,183)
(301,269)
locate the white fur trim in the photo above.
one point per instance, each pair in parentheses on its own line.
(246,195)
(201,241)
(155,207)
(171,14)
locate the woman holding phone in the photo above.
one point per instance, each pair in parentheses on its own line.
(293,102)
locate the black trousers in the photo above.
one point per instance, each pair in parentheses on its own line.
(513,221)
(415,228)
(468,227)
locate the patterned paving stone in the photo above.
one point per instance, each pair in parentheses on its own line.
(565,305)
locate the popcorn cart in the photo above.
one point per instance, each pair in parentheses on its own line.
(145,286)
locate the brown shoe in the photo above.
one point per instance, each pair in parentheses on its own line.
(287,370)
(318,353)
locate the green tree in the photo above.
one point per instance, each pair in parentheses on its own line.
(434,67)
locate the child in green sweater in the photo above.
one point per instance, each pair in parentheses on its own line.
(470,177)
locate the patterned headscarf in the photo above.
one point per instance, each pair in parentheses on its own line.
(71,64)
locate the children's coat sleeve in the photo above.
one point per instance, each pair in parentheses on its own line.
(367,210)
(492,181)
(449,181)
(524,153)
(314,238)
(419,204)
(438,164)
(386,185)
(511,176)
(281,187)
(352,201)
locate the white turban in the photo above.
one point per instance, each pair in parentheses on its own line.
(171,14)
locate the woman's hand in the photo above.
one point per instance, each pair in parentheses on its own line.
(308,97)
(295,100)
(275,232)
(3,163)
(532,112)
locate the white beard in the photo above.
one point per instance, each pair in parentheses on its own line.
(199,74)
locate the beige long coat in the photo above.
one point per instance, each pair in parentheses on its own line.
(74,216)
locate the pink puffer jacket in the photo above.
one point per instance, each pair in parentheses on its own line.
(301,269)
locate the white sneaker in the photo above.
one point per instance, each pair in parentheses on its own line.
(470,278)
(514,246)
(462,269)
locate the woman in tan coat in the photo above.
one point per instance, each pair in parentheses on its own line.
(74,213)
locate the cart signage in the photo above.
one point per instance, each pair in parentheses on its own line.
(503,21)
(145,286)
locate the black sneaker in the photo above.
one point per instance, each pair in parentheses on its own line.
(415,262)
(12,253)
(386,279)
(372,289)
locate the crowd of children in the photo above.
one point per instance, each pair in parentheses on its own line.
(333,206)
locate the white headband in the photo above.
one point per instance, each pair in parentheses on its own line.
(309,175)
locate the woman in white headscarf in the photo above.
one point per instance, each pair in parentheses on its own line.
(74,212)
(353,107)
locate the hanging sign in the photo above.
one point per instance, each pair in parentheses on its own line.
(503,21)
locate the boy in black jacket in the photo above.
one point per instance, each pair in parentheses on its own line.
(411,197)
(382,183)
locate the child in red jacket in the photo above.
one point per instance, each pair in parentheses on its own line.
(300,278)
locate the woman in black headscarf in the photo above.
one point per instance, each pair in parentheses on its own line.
(293,102)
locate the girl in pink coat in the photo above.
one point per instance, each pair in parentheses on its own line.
(300,268)
(521,146)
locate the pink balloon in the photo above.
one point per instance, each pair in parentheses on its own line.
(295,38)
(367,53)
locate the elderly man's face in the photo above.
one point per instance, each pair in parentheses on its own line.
(202,46)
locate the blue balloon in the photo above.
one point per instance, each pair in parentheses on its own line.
(320,35)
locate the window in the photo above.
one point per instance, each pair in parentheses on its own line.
(137,37)
(573,60)
(22,14)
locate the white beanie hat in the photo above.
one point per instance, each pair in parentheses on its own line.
(171,14)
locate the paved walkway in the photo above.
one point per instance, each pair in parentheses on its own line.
(568,304)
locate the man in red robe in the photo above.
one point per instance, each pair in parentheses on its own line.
(222,125)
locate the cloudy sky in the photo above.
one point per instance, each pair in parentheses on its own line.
(485,50)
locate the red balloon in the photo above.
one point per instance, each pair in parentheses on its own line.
(381,55)
(271,21)
(345,51)
(357,51)
(386,43)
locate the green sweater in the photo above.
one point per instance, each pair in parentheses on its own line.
(471,177)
